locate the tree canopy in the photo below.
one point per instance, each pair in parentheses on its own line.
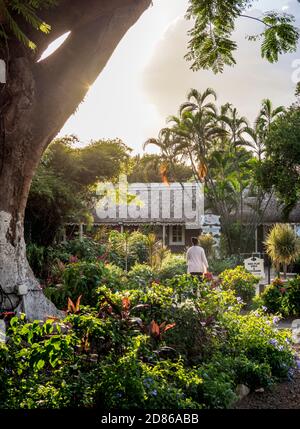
(64,187)
(280,170)
(211,45)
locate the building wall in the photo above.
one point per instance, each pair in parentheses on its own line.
(189,233)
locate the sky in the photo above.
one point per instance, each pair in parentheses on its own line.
(147,78)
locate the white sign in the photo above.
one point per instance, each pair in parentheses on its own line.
(255,266)
(210,219)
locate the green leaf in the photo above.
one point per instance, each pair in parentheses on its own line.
(40,364)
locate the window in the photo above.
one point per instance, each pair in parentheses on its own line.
(177,235)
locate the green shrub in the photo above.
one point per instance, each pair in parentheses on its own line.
(159,385)
(138,245)
(173,265)
(255,336)
(272,296)
(240,281)
(283,297)
(179,344)
(83,278)
(217,389)
(292,297)
(127,248)
(36,256)
(217,266)
(141,276)
(85,249)
(253,374)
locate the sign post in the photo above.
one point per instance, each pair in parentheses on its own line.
(255,266)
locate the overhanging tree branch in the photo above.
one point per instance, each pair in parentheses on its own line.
(68,72)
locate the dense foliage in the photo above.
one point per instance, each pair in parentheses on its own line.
(282,156)
(64,187)
(283,297)
(176,345)
(240,281)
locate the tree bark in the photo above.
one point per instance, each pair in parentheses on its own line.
(35,103)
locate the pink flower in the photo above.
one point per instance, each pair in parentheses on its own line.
(73,259)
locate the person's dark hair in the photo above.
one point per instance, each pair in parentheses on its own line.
(195,241)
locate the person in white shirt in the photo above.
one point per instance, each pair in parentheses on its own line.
(196,260)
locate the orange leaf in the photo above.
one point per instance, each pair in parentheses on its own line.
(71,306)
(170,326)
(77,307)
(162,326)
(125,304)
(154,329)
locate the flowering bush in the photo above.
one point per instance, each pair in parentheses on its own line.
(283,297)
(177,344)
(256,336)
(240,281)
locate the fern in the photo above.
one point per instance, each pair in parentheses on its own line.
(27,10)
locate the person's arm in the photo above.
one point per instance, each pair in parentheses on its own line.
(204,260)
(188,255)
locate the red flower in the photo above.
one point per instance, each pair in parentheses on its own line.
(208,276)
(7,314)
(282,290)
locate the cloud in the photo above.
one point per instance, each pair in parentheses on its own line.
(167,77)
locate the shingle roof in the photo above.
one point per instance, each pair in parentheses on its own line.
(271,213)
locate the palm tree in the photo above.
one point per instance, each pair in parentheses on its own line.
(237,126)
(282,246)
(197,128)
(262,125)
(268,114)
(169,145)
(198,102)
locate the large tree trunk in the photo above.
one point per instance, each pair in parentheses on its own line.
(34,104)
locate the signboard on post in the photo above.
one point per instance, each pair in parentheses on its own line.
(210,224)
(255,266)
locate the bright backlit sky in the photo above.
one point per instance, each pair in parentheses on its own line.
(147,78)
